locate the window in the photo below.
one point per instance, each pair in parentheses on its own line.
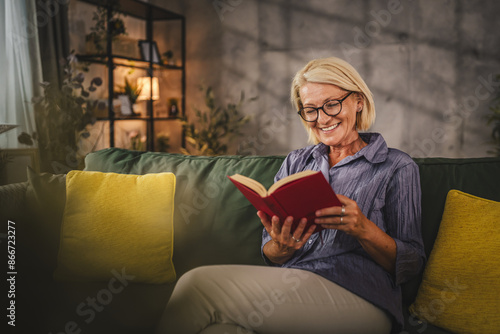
(20,68)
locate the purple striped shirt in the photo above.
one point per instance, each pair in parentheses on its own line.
(385,184)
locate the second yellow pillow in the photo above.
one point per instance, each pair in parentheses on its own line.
(461,287)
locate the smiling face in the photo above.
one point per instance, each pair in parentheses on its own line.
(338,131)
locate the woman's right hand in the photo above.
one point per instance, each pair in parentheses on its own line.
(283,244)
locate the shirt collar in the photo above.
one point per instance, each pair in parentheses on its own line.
(375,152)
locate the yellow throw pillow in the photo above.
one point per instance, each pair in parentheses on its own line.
(117,225)
(460,290)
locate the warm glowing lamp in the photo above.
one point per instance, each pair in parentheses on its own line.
(145,83)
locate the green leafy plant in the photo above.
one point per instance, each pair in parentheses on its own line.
(215,127)
(168,57)
(494,118)
(62,114)
(137,142)
(131,90)
(99,30)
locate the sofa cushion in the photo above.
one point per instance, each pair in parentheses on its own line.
(476,176)
(460,286)
(213,222)
(116,224)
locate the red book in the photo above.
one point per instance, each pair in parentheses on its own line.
(298,195)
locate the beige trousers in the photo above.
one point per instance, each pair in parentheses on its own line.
(257,299)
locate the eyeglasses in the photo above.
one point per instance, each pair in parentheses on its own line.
(330,108)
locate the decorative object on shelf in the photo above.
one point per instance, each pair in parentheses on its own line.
(169,58)
(163,142)
(129,92)
(494,118)
(125,105)
(173,109)
(145,84)
(145,47)
(137,141)
(62,115)
(214,128)
(98,33)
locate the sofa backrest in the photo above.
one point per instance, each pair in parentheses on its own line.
(476,176)
(215,224)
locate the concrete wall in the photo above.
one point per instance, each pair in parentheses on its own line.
(431,65)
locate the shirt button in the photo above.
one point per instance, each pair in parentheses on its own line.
(310,241)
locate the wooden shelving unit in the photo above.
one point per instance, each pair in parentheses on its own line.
(151,15)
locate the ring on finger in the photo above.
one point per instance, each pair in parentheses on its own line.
(342,213)
(296,240)
(341,219)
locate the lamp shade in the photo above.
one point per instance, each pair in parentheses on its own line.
(145,83)
(7,127)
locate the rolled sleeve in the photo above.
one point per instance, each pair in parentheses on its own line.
(409,261)
(403,217)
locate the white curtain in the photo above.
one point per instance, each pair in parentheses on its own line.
(20,68)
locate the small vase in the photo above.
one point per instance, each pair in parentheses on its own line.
(136,110)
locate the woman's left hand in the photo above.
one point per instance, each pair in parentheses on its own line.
(347,218)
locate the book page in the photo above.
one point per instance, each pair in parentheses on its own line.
(250,183)
(290,178)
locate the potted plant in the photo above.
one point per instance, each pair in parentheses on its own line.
(173,109)
(97,38)
(169,57)
(137,141)
(62,115)
(132,92)
(215,127)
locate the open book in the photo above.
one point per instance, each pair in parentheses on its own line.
(298,195)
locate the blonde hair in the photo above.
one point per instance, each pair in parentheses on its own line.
(340,73)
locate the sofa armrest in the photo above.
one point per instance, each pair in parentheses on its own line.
(12,201)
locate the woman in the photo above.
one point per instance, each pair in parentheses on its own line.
(346,281)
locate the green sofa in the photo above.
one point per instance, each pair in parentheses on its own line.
(213,224)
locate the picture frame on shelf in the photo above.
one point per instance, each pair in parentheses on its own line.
(144,46)
(126,107)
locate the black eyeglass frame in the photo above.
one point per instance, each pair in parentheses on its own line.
(322,108)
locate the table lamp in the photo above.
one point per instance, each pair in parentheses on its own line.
(145,83)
